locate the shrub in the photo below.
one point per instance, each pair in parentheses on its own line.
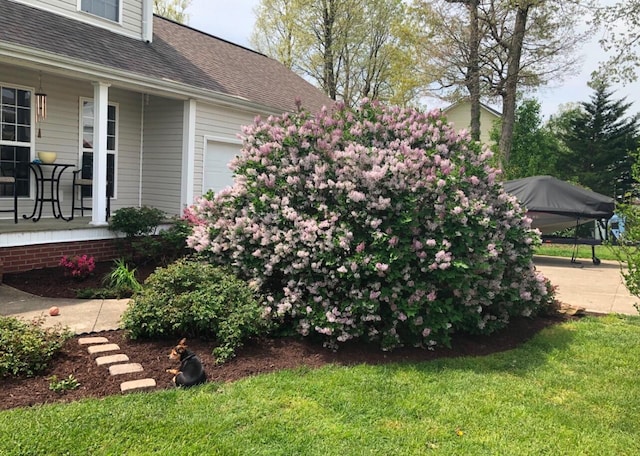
(626,246)
(378,222)
(78,267)
(26,348)
(166,247)
(133,221)
(194,299)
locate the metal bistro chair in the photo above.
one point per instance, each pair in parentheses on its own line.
(83,186)
(10,180)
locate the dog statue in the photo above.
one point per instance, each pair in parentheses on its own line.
(191,371)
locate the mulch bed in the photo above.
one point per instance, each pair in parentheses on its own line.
(256,357)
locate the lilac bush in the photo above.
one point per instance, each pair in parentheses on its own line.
(377,222)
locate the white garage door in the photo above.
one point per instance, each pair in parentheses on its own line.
(217,174)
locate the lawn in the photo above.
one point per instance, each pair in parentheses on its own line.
(572,390)
(603,252)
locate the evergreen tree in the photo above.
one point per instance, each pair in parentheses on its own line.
(600,141)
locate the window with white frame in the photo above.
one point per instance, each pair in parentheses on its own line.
(15,137)
(107,9)
(86,149)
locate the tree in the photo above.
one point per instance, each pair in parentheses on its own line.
(349,49)
(621,22)
(535,150)
(172,9)
(600,139)
(277,31)
(522,45)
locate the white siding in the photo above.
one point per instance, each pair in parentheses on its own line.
(127,188)
(162,156)
(131,14)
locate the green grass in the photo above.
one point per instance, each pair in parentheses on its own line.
(572,390)
(603,252)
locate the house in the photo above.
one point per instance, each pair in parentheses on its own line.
(158,104)
(460,115)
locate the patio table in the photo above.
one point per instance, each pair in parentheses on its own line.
(47,173)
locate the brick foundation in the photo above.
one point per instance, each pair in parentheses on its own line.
(25,258)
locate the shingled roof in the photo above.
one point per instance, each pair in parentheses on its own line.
(178,53)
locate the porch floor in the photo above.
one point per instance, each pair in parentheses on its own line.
(44,224)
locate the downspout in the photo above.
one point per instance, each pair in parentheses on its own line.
(147,21)
(188,154)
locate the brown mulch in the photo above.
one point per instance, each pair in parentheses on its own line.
(52,282)
(256,357)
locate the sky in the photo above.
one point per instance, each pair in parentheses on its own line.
(233,21)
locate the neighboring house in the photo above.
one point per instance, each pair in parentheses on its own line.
(158,103)
(460,115)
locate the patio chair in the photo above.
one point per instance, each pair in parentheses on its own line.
(83,186)
(8,179)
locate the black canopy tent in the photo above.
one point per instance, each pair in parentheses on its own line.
(554,205)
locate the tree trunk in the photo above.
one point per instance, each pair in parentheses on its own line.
(511,82)
(329,17)
(473,76)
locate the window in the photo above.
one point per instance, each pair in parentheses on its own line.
(87,115)
(108,9)
(15,137)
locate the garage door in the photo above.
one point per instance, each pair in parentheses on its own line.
(216,165)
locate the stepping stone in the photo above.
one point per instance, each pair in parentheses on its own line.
(92,340)
(102,348)
(112,359)
(128,368)
(137,385)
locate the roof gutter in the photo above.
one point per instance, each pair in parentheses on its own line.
(35,59)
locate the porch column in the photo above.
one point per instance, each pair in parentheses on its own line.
(99,199)
(188,154)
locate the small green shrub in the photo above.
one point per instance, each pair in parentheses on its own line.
(26,348)
(66,384)
(195,299)
(133,221)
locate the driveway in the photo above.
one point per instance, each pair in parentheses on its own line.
(596,288)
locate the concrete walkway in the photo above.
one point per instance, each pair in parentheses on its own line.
(80,315)
(596,288)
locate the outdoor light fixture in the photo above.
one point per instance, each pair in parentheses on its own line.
(41,105)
